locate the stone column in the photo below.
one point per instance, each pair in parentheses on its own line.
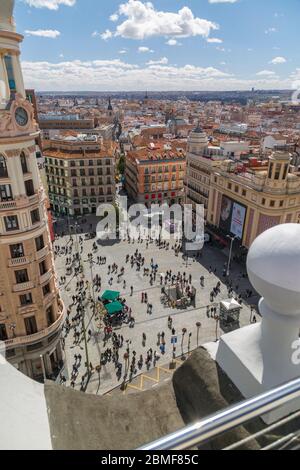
(18,75)
(4,88)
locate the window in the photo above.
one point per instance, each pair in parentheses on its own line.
(72,163)
(24,163)
(270,170)
(10,73)
(229,185)
(285,171)
(35,216)
(30,325)
(46,290)
(17,251)
(272,203)
(281,203)
(26,299)
(29,188)
(244,193)
(91,163)
(43,268)
(263,201)
(21,276)
(39,243)
(277,171)
(73,173)
(6,192)
(3,333)
(50,316)
(3,168)
(11,223)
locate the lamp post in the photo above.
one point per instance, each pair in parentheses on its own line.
(198,325)
(43,368)
(184,330)
(189,343)
(217,318)
(230,254)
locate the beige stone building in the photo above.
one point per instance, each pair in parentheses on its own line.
(80,173)
(31,310)
(247,198)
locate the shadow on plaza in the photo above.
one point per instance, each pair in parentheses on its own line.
(239,276)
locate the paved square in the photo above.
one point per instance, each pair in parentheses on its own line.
(150,324)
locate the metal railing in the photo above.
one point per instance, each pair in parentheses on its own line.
(199,433)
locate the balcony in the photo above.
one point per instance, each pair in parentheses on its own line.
(42,253)
(8,205)
(23,286)
(36,337)
(13,262)
(46,277)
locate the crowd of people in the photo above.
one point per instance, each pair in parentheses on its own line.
(79,327)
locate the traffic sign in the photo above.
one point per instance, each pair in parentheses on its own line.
(174,340)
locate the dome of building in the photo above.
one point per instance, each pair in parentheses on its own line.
(197,140)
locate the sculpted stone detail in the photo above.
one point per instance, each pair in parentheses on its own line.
(8,124)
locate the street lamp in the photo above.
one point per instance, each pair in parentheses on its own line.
(189,343)
(198,325)
(184,330)
(230,254)
(217,318)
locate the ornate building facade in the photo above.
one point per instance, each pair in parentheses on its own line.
(31,310)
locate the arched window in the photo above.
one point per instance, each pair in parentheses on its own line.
(3,168)
(24,163)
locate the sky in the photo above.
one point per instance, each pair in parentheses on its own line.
(127,45)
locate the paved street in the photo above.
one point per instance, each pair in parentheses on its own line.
(150,324)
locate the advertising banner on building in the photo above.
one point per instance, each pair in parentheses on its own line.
(233,216)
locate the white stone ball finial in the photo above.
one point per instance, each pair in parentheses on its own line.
(273,267)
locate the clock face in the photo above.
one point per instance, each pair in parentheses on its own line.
(21,116)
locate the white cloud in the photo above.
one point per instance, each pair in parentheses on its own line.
(162,61)
(123,51)
(116,75)
(214,40)
(278,60)
(106,35)
(144,21)
(43,33)
(144,49)
(114,17)
(271,30)
(265,73)
(173,42)
(50,4)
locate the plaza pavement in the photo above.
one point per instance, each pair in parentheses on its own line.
(150,324)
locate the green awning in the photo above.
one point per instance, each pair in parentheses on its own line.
(114,307)
(110,295)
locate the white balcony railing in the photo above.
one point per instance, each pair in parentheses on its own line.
(23,286)
(42,253)
(46,277)
(30,339)
(19,261)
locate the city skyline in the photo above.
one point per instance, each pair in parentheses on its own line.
(160,46)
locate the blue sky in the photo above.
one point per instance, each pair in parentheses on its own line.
(167,44)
